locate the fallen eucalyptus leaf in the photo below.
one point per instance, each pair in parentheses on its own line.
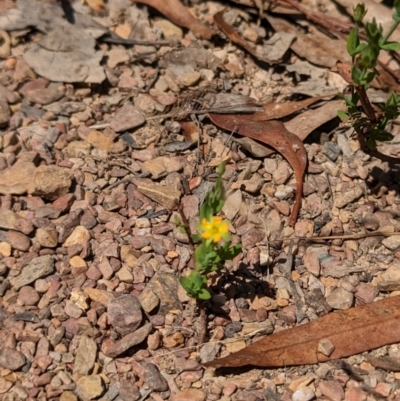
(351,332)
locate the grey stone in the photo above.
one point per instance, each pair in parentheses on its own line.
(12,359)
(340,299)
(124,313)
(39,267)
(112,350)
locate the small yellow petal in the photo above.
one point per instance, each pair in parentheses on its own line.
(217,237)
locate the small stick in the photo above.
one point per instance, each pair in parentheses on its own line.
(203,324)
(344,236)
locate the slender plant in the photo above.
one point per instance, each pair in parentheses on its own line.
(364,44)
(213,244)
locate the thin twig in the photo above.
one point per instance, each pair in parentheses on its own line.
(344,236)
(185,223)
(99,126)
(226,341)
(203,323)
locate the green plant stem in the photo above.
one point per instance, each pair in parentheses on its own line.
(391,30)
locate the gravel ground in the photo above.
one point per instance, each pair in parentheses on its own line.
(90,303)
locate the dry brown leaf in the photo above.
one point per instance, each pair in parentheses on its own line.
(275,111)
(344,70)
(317,48)
(177,13)
(303,124)
(274,134)
(351,331)
(190,130)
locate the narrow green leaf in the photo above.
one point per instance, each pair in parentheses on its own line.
(396,15)
(198,280)
(382,136)
(203,294)
(185,282)
(221,169)
(228,252)
(360,48)
(359,13)
(371,144)
(353,41)
(391,46)
(196,238)
(343,115)
(356,75)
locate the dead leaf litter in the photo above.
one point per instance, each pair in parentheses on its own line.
(113,118)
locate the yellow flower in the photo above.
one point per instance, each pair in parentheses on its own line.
(216,229)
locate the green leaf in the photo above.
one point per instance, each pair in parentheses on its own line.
(371,144)
(228,252)
(343,115)
(203,294)
(360,48)
(359,13)
(206,258)
(374,32)
(353,41)
(397,9)
(196,238)
(198,280)
(349,101)
(396,17)
(221,169)
(356,74)
(392,100)
(369,56)
(185,282)
(206,211)
(391,46)
(381,135)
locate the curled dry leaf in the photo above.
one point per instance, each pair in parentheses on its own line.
(177,13)
(344,70)
(351,331)
(274,134)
